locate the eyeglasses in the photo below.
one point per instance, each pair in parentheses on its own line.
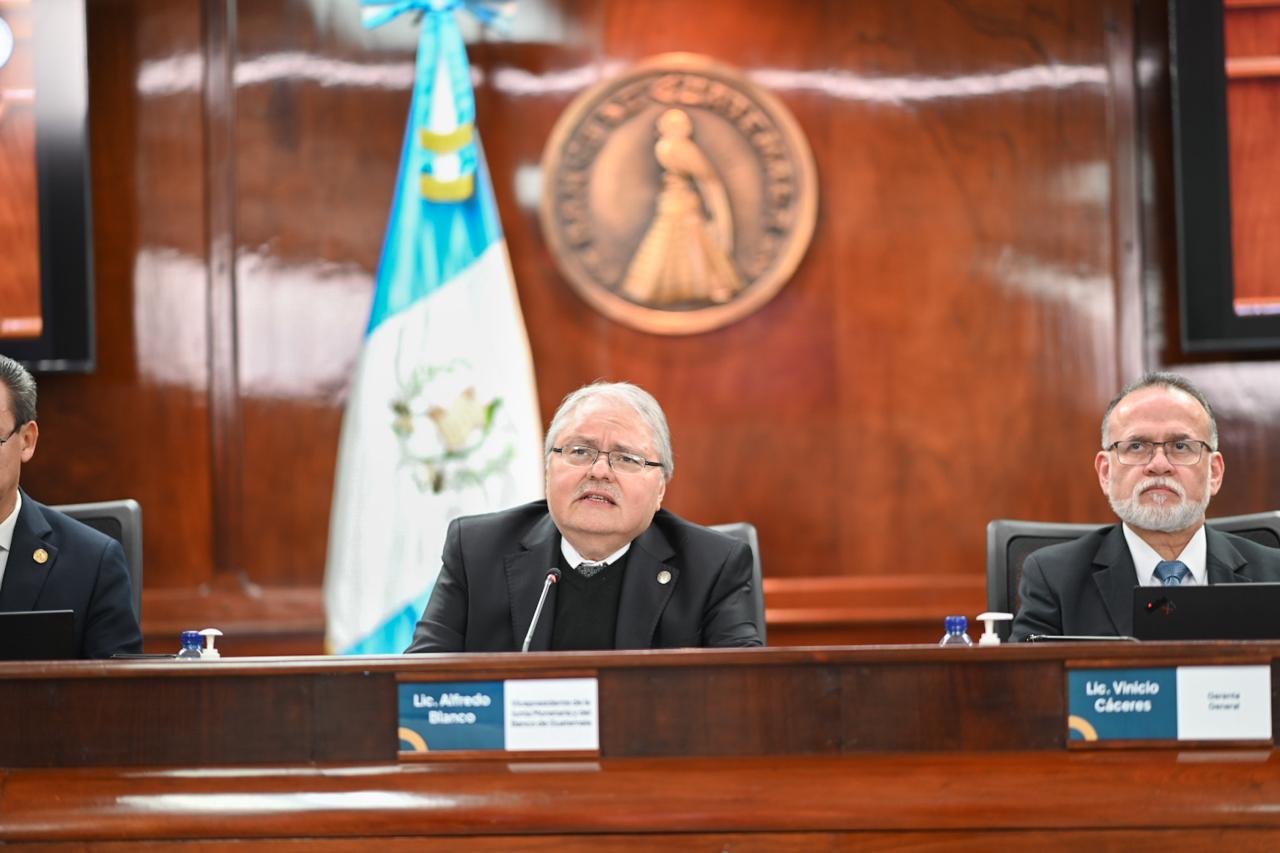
(580,456)
(1179,451)
(11,434)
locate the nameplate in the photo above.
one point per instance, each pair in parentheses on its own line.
(546,714)
(1185,703)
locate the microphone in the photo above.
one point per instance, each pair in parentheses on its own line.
(553,577)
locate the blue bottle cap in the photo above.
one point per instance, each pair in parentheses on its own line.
(956,624)
(191,638)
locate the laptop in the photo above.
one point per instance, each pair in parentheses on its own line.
(38,635)
(1230,611)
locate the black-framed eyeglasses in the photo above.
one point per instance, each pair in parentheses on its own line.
(1179,451)
(11,434)
(581,456)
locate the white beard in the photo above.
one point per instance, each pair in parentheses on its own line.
(1161,517)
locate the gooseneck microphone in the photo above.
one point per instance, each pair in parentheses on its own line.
(553,577)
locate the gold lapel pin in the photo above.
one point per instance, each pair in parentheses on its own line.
(41,556)
(664,577)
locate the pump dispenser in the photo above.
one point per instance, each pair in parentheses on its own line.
(989,619)
(209,652)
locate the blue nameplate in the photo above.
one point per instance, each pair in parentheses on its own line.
(1122,704)
(1185,703)
(549,714)
(451,715)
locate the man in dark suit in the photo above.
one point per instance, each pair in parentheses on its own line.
(633,576)
(49,561)
(1159,466)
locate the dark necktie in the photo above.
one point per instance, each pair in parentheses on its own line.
(1172,572)
(589,569)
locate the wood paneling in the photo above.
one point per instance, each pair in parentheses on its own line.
(575,802)
(722,749)
(226,427)
(971,797)
(332,718)
(1069,840)
(652,704)
(993,257)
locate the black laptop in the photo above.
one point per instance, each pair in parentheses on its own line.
(1229,611)
(38,635)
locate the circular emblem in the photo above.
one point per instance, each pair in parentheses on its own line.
(678,197)
(6,42)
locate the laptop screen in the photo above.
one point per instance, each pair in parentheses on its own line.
(38,635)
(1232,611)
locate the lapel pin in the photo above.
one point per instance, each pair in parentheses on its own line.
(664,577)
(41,556)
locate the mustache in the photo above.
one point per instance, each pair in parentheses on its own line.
(1159,483)
(601,486)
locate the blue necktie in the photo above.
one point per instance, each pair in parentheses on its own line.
(1172,572)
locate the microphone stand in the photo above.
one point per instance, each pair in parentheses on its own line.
(553,577)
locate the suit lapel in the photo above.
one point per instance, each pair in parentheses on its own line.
(526,572)
(24,574)
(1224,564)
(1116,577)
(643,596)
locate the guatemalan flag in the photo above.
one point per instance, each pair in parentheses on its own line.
(443,417)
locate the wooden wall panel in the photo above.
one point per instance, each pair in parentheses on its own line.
(976,317)
(993,256)
(752,405)
(318,137)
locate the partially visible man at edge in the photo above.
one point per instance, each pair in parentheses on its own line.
(1159,466)
(49,561)
(634,576)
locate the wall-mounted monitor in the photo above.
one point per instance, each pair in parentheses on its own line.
(1226,99)
(46,276)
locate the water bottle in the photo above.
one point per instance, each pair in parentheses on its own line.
(957,628)
(190,646)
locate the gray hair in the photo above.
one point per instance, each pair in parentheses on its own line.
(22,389)
(1160,379)
(632,396)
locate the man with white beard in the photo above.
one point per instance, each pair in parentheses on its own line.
(1159,465)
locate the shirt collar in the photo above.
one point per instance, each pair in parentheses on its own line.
(1145,558)
(7,526)
(575,559)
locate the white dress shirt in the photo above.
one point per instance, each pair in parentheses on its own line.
(1145,559)
(6,535)
(575,559)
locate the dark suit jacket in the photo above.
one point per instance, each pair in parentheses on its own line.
(495,565)
(1086,586)
(85,571)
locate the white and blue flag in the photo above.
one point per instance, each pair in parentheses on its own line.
(442,418)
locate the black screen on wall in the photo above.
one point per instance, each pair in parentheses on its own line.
(46,276)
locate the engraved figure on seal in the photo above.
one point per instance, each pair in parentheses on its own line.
(686,254)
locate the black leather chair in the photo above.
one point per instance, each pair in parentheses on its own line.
(1261,527)
(1010,542)
(745,531)
(122,521)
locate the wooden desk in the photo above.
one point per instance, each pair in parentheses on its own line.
(790,749)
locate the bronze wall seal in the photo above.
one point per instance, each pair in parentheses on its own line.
(678,196)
